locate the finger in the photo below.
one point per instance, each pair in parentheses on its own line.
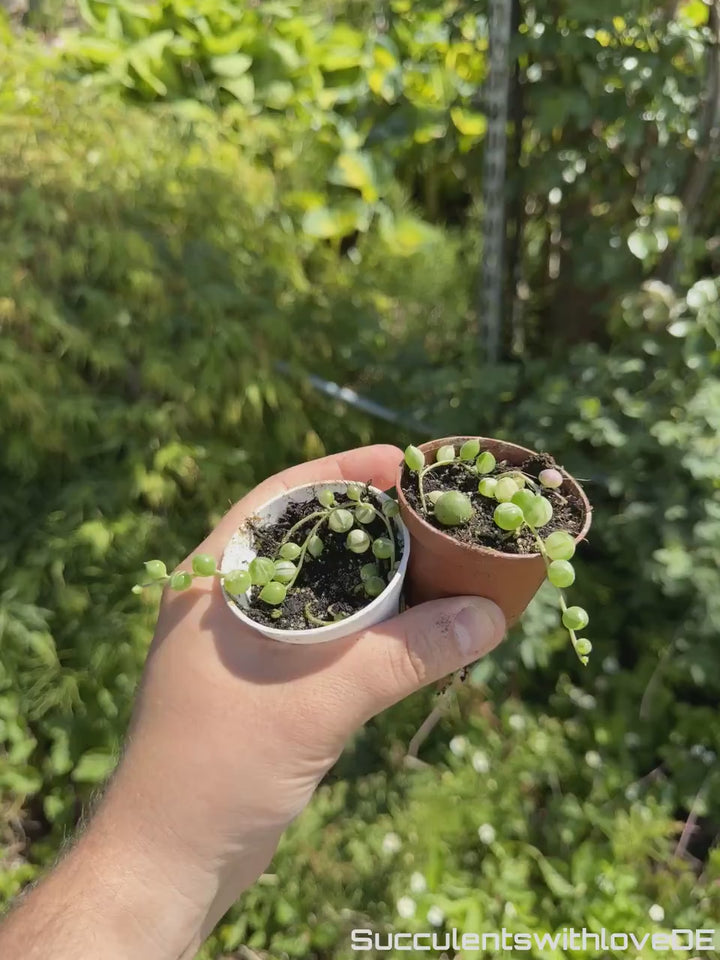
(422,645)
(376,464)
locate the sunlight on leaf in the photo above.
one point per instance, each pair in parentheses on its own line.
(232,65)
(472,124)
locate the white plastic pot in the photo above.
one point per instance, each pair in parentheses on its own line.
(240,551)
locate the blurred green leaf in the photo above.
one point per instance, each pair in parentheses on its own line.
(232,65)
(93,767)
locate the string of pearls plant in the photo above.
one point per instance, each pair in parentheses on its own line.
(276,576)
(520,505)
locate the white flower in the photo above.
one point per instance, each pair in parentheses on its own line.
(458,746)
(486,832)
(610,665)
(593,759)
(418,884)
(406,907)
(435,916)
(480,762)
(510,910)
(516,721)
(656,913)
(391,843)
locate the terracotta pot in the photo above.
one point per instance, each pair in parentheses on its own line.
(441,566)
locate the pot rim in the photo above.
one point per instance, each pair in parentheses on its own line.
(430,532)
(351,623)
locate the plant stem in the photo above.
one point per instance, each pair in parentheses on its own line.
(561,595)
(433,466)
(323,516)
(518,473)
(310,516)
(303,551)
(391,536)
(311,618)
(431,721)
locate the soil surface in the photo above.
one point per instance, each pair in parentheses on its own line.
(328,582)
(481,530)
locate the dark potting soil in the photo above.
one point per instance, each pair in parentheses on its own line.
(481,530)
(326,582)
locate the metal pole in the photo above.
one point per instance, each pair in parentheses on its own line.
(496,97)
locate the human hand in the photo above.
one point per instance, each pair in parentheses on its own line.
(232,732)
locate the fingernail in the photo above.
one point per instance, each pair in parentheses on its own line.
(478,627)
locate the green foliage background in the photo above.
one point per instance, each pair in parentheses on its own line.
(194,192)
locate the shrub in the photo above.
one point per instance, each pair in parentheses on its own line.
(637,422)
(510,828)
(609,117)
(149,288)
(156,263)
(151,284)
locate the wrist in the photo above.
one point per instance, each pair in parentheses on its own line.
(109,896)
(156,863)
(127,890)
(149,897)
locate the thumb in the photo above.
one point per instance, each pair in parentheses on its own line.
(423,644)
